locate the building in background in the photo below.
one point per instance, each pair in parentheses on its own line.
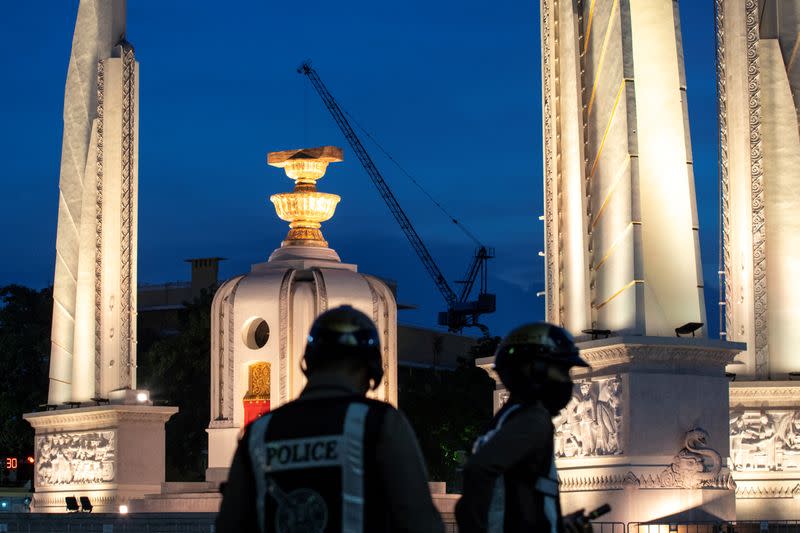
(418,347)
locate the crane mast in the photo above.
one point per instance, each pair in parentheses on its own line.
(460,313)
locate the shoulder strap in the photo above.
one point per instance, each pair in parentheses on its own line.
(255,443)
(353,468)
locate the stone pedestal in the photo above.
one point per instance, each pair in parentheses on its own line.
(765,449)
(109,453)
(647,430)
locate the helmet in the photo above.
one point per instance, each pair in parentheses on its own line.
(344,333)
(539,342)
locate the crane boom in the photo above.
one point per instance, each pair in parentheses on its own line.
(366,161)
(460,312)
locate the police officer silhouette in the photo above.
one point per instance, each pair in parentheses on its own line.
(332,460)
(510,481)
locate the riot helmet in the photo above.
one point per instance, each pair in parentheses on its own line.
(523,359)
(344,334)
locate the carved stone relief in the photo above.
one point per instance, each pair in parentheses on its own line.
(765,440)
(696,466)
(590,423)
(127,220)
(65,458)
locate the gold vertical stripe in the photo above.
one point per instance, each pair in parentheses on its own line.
(623,289)
(599,67)
(608,127)
(620,175)
(794,53)
(588,27)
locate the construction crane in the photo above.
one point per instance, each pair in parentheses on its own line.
(460,312)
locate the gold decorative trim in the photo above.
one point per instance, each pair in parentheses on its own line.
(588,27)
(608,128)
(599,68)
(623,289)
(613,246)
(620,177)
(258,381)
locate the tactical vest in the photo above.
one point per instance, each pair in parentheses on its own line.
(508,499)
(314,466)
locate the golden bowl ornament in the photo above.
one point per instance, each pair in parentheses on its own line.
(305,208)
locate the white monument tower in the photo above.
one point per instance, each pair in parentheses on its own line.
(758,85)
(90,440)
(260,321)
(647,428)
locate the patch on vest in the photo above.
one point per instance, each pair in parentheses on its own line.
(294,454)
(300,511)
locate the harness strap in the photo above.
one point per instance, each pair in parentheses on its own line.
(353,469)
(259,458)
(547,486)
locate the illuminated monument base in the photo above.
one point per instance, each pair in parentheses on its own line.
(765,448)
(647,430)
(110,453)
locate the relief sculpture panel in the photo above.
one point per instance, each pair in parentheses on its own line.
(65,458)
(590,423)
(765,440)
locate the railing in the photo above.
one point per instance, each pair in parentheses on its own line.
(204,523)
(107,523)
(737,526)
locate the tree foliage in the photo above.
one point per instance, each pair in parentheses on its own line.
(448,409)
(25,321)
(176,371)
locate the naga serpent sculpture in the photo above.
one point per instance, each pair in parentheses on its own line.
(696,466)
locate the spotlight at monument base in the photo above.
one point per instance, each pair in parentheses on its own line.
(123,509)
(141,397)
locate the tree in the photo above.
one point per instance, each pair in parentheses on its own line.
(448,409)
(25,321)
(176,370)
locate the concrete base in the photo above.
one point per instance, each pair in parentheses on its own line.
(765,449)
(205,497)
(110,453)
(201,497)
(647,430)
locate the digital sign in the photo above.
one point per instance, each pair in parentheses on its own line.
(13,463)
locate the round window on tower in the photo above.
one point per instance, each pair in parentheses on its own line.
(255,333)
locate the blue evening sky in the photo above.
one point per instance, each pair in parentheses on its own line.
(450,88)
